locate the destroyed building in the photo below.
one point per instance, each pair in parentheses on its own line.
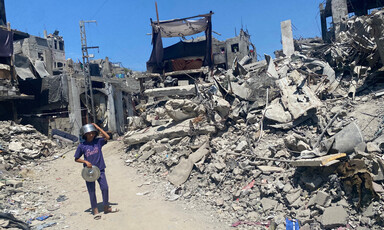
(335,12)
(232,49)
(298,137)
(35,68)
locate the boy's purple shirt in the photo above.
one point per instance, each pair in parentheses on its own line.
(92,152)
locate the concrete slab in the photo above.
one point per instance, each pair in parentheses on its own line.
(170,131)
(287,38)
(334,217)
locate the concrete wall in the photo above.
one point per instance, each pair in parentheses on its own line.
(112,100)
(242,43)
(74,105)
(33,49)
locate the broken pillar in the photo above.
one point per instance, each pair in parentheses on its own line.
(287,38)
(323,20)
(339,11)
(74,106)
(119,111)
(111,108)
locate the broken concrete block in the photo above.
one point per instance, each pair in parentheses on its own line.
(270,168)
(15,146)
(304,215)
(268,204)
(188,90)
(348,138)
(181,109)
(334,217)
(181,172)
(369,212)
(220,202)
(241,91)
(159,148)
(237,171)
(241,146)
(221,106)
(292,197)
(159,122)
(135,123)
(297,103)
(146,155)
(287,188)
(276,112)
(301,146)
(321,198)
(372,147)
(287,38)
(217,177)
(377,188)
(219,165)
(14,183)
(170,131)
(271,71)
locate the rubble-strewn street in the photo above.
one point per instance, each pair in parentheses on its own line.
(209,137)
(52,195)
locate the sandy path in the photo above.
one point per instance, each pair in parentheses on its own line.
(136,212)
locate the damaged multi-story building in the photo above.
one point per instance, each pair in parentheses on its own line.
(336,12)
(39,86)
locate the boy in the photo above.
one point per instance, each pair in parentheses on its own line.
(91,149)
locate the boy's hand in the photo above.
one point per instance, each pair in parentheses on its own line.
(96,126)
(89,165)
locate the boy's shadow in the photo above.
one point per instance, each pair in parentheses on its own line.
(100,207)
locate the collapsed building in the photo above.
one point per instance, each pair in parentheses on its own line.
(296,138)
(39,86)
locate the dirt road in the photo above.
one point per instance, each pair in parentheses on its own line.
(149,211)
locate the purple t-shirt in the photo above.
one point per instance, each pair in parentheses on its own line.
(92,152)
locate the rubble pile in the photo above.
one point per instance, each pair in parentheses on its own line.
(297,137)
(26,200)
(21,144)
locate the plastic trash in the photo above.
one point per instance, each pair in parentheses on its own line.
(291,224)
(44,217)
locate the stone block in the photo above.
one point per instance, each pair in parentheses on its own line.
(268,204)
(292,197)
(14,183)
(241,146)
(321,198)
(334,217)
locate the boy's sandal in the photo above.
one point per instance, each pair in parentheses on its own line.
(112,210)
(97,217)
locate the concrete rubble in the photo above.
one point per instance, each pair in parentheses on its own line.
(299,136)
(21,144)
(25,200)
(295,137)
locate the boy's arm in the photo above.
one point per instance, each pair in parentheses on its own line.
(103,133)
(89,165)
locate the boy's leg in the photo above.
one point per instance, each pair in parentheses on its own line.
(92,196)
(104,188)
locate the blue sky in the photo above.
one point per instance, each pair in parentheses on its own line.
(123,25)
